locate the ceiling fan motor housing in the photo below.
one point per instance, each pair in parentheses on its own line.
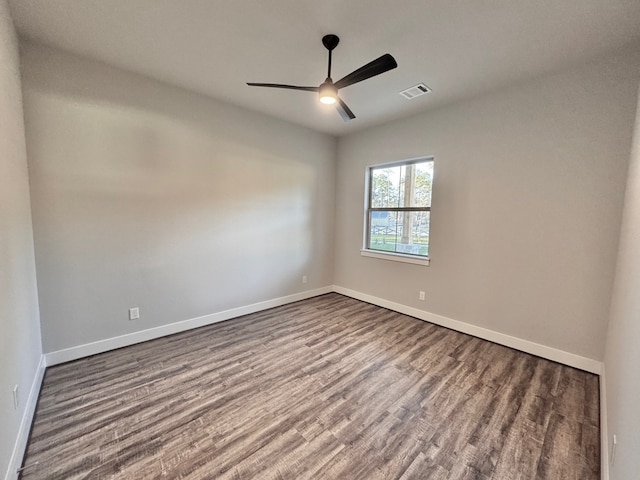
(328,92)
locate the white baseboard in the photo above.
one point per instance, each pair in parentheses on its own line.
(550,353)
(604,433)
(25,424)
(80,351)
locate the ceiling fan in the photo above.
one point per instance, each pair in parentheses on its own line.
(328,90)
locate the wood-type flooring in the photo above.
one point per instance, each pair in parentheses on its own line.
(326,388)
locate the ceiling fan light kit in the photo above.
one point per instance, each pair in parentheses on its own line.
(328,93)
(328,90)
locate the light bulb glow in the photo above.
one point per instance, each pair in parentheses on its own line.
(327,100)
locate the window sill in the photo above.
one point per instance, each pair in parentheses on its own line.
(395,257)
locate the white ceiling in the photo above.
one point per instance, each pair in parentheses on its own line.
(457,47)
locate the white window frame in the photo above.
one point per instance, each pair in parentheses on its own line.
(380,254)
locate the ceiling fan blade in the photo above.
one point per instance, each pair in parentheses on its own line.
(380,65)
(344,111)
(288,87)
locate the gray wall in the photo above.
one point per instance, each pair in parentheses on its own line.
(150,196)
(147,195)
(528,193)
(622,358)
(20,348)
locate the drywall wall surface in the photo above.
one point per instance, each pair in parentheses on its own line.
(20,346)
(527,200)
(622,356)
(149,196)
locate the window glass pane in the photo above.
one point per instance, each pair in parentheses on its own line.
(400,232)
(385,187)
(402,185)
(422,180)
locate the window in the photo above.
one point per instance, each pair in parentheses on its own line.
(398,209)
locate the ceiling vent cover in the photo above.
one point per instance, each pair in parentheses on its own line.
(415,91)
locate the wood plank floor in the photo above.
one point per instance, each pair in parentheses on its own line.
(327,388)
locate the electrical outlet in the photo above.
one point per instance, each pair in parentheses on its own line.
(421,295)
(16,397)
(134,313)
(304,279)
